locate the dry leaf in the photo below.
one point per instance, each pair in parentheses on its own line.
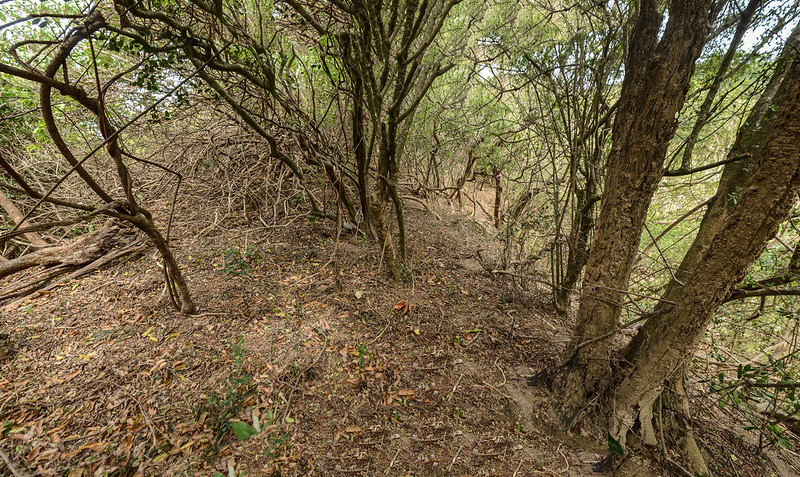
(71,375)
(94,446)
(402,306)
(34,453)
(355,430)
(127,442)
(409,393)
(76,472)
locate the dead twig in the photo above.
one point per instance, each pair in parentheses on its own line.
(11,468)
(450,467)
(392,462)
(450,396)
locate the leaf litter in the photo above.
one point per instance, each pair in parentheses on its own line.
(299,367)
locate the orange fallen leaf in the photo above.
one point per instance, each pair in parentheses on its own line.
(127,442)
(70,454)
(94,446)
(34,453)
(71,375)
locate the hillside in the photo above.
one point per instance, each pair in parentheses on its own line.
(301,335)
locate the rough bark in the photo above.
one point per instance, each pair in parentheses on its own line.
(653,91)
(765,203)
(750,140)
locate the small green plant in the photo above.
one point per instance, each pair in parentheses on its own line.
(751,392)
(221,407)
(238,353)
(297,199)
(233,262)
(363,354)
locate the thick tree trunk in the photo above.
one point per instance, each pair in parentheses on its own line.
(751,140)
(653,91)
(765,203)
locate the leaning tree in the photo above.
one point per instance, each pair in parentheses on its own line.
(658,69)
(68,64)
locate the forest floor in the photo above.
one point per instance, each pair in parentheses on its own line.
(336,368)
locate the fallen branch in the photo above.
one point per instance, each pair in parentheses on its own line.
(11,468)
(136,247)
(79,253)
(17,216)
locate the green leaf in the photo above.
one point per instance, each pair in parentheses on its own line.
(219,474)
(614,446)
(243,430)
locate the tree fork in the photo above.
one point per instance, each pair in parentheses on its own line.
(656,82)
(765,203)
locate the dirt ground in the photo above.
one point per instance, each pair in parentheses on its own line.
(305,347)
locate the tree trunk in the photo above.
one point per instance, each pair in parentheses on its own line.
(578,240)
(359,136)
(653,91)
(498,197)
(751,140)
(472,158)
(380,202)
(765,203)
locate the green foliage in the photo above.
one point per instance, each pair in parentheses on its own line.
(220,407)
(236,262)
(242,430)
(613,446)
(761,403)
